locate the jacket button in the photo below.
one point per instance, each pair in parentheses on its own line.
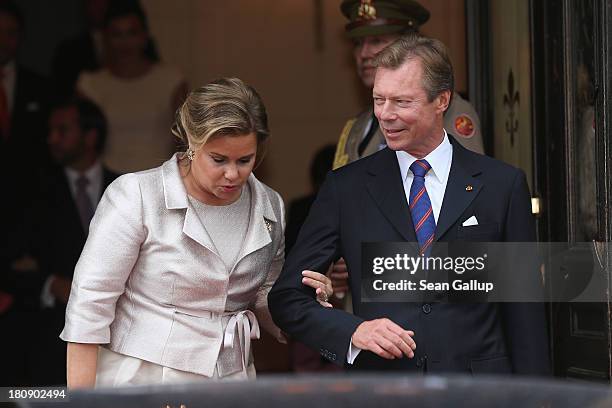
(426,308)
(421,361)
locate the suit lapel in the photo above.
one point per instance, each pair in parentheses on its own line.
(262,220)
(194,229)
(461,189)
(386,187)
(175,196)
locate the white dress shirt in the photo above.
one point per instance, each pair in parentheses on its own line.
(440,160)
(435,180)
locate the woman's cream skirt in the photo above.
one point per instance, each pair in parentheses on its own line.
(116,370)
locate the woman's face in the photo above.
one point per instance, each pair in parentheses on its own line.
(126,36)
(221,167)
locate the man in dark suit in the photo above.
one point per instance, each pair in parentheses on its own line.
(23,120)
(82,52)
(23,155)
(423,188)
(23,94)
(58,223)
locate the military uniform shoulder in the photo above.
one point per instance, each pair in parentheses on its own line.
(461,119)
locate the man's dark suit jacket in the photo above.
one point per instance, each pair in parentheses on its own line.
(365,202)
(57,241)
(28,130)
(24,156)
(60,237)
(50,231)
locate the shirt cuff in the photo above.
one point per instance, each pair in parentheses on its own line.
(352,354)
(46,298)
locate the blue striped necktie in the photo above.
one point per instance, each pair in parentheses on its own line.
(420,207)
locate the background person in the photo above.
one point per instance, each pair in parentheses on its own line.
(23,114)
(137,92)
(57,225)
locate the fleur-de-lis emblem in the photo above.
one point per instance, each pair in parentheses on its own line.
(511,100)
(366,10)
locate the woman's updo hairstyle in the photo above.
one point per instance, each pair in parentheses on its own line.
(225,107)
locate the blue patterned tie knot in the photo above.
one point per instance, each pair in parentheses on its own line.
(420,207)
(420,168)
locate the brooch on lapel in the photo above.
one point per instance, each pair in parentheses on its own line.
(268,225)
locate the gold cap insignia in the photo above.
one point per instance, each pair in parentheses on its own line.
(469,187)
(366,10)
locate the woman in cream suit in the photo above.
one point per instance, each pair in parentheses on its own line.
(174,277)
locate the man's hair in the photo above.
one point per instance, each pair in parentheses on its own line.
(91,117)
(433,55)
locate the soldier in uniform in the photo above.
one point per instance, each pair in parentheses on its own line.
(374,24)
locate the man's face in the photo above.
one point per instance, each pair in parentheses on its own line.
(9,37)
(407,119)
(66,140)
(364,51)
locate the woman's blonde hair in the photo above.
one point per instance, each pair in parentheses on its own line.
(225,107)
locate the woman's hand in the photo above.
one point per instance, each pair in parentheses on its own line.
(321,284)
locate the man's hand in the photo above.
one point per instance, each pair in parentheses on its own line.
(384,338)
(339,277)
